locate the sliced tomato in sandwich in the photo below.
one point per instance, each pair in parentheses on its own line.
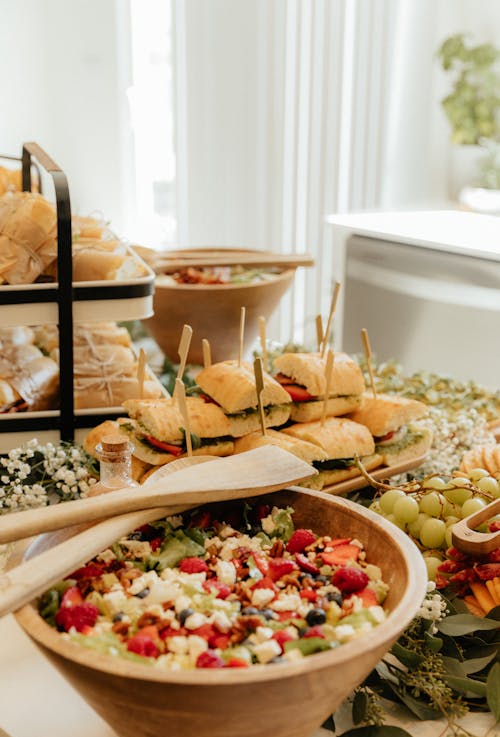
(385,438)
(297,392)
(175,450)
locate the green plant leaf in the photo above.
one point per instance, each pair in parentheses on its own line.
(463,624)
(493,691)
(405,656)
(329,724)
(374,731)
(421,710)
(475,665)
(468,686)
(432,642)
(359,706)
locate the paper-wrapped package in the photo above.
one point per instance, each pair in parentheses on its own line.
(97,333)
(28,379)
(98,260)
(10,180)
(28,236)
(16,336)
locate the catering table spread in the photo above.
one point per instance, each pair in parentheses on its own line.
(36,700)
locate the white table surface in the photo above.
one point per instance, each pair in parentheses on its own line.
(35,701)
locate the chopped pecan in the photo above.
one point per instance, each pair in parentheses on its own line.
(277,549)
(120,628)
(147,619)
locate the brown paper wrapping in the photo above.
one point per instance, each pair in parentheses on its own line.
(47,336)
(33,376)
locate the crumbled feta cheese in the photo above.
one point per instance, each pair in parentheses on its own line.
(106,556)
(178,644)
(344,632)
(377,613)
(160,591)
(226,572)
(268,524)
(293,655)
(196,646)
(175,520)
(266,651)
(373,572)
(182,602)
(221,621)
(138,548)
(194,621)
(264,633)
(227,531)
(286,602)
(115,600)
(142,582)
(261,597)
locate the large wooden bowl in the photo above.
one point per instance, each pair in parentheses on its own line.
(285,700)
(213,312)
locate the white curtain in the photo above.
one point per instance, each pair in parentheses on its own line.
(292,109)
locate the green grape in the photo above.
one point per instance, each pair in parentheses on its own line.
(472,505)
(432,533)
(406,509)
(415,527)
(395,521)
(436,483)
(447,536)
(458,481)
(432,504)
(432,564)
(478,473)
(489,485)
(457,495)
(388,499)
(451,510)
(375,507)
(451,521)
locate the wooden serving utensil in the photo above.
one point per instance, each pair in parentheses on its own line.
(333,306)
(328,383)
(259,385)
(181,399)
(242,333)
(368,355)
(254,472)
(169,264)
(468,540)
(184,343)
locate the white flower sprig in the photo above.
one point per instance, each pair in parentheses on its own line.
(35,475)
(433,607)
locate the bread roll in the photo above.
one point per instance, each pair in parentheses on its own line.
(339,437)
(387,413)
(233,387)
(94,436)
(313,409)
(308,370)
(300,448)
(415,443)
(246,422)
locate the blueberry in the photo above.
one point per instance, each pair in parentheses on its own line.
(184,614)
(315,616)
(142,594)
(335,596)
(249,611)
(137,535)
(267,613)
(118,617)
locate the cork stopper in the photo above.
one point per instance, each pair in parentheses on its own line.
(114,443)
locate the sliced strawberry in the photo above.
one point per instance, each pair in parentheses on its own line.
(305,564)
(315,631)
(167,632)
(150,631)
(79,616)
(285,616)
(261,563)
(143,645)
(90,571)
(279,567)
(300,540)
(341,555)
(339,541)
(265,583)
(308,594)
(220,589)
(174,450)
(237,663)
(220,641)
(350,580)
(209,659)
(368,597)
(206,631)
(71,597)
(193,565)
(281,637)
(155,543)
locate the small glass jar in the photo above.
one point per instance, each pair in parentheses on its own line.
(115,456)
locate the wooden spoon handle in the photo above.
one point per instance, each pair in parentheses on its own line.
(169,265)
(466,539)
(30,579)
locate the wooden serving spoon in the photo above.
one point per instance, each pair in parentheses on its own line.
(30,579)
(465,538)
(257,471)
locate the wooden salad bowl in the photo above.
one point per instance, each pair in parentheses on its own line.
(213,311)
(282,700)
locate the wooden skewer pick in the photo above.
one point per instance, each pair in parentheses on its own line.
(183,350)
(242,333)
(333,306)
(207,355)
(263,341)
(328,383)
(141,372)
(319,332)
(368,354)
(259,384)
(180,392)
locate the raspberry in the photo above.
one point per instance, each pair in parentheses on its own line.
(300,540)
(308,594)
(279,567)
(349,579)
(143,645)
(201,520)
(209,659)
(71,597)
(315,631)
(305,564)
(281,637)
(193,565)
(78,616)
(220,589)
(90,571)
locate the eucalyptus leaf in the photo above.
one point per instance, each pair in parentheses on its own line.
(359,707)
(374,731)
(454,667)
(432,642)
(463,624)
(405,656)
(475,665)
(468,686)
(420,709)
(493,691)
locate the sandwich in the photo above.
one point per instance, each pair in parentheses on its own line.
(302,375)
(156,429)
(341,440)
(232,389)
(389,419)
(308,452)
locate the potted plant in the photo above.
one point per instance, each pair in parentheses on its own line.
(485,195)
(473,105)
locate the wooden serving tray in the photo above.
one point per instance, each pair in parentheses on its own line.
(383,472)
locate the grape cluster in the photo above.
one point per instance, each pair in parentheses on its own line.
(429,513)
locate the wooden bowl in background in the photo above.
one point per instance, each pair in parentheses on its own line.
(285,700)
(213,311)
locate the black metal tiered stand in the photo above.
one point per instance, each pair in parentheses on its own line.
(64,293)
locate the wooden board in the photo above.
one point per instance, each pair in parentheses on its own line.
(383,472)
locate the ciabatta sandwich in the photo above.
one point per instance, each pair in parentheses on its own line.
(232,388)
(308,452)
(389,419)
(156,429)
(340,439)
(302,375)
